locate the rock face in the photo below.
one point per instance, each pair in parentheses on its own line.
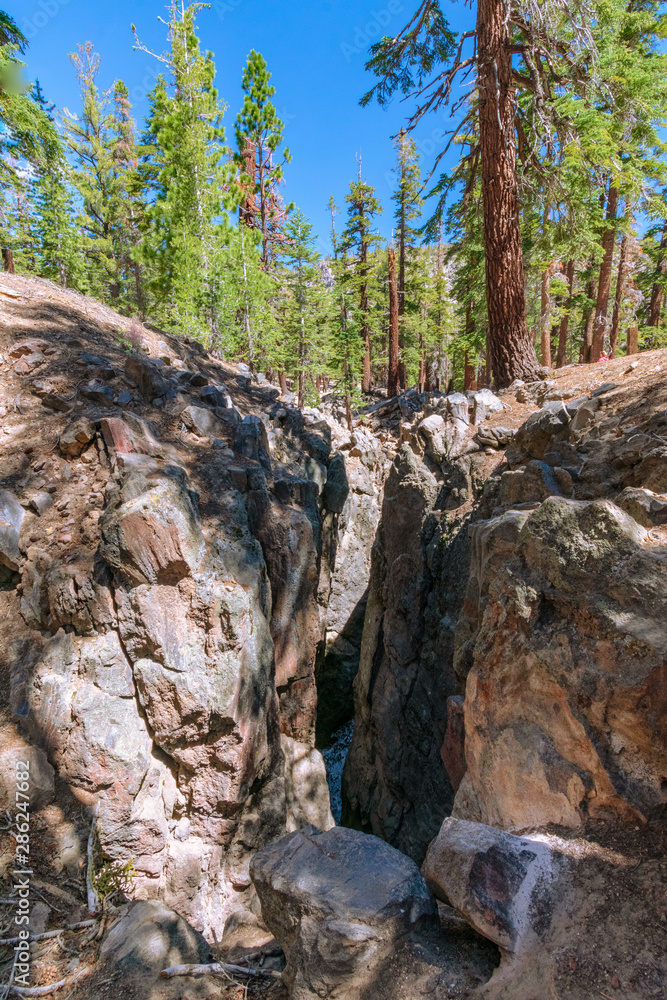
(287,536)
(164,618)
(394,782)
(152,533)
(543,602)
(184,570)
(338,903)
(352,500)
(575,624)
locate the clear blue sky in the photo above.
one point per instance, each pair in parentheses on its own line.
(316,50)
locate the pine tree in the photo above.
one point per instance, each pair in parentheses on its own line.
(54,235)
(187,181)
(27,136)
(259,131)
(300,255)
(393,373)
(408,201)
(127,207)
(88,138)
(357,242)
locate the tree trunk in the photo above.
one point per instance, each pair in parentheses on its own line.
(618,298)
(248,207)
(512,351)
(602,305)
(565,321)
(545,316)
(302,366)
(8,261)
(588,328)
(392,375)
(633,340)
(366,378)
(421,378)
(283,383)
(657,292)
(262,208)
(468,374)
(401,294)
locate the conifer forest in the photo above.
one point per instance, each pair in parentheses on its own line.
(545,244)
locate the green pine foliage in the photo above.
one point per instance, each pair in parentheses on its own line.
(163,220)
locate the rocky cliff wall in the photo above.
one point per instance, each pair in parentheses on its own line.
(167,534)
(512,667)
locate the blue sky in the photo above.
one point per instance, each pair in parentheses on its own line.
(316,51)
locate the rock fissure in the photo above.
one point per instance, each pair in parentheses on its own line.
(211,587)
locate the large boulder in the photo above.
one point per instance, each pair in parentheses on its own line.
(148,938)
(648,508)
(203,422)
(564,635)
(11,519)
(496,880)
(563,912)
(338,903)
(538,432)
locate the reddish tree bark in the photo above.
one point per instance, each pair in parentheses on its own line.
(618,297)
(588,328)
(468,375)
(393,373)
(633,340)
(565,321)
(248,206)
(8,261)
(602,305)
(545,315)
(657,292)
(512,353)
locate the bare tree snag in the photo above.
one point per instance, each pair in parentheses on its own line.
(248,206)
